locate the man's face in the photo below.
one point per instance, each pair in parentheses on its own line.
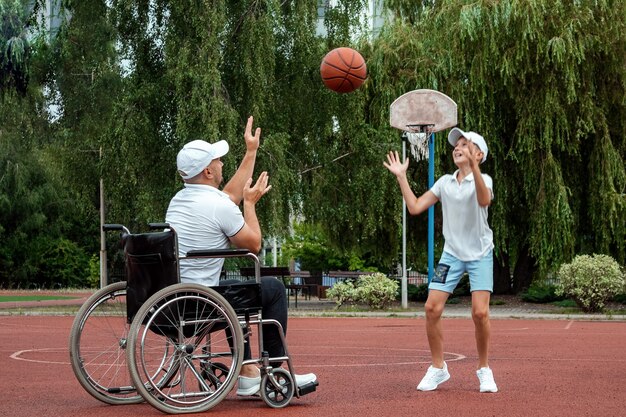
(215,170)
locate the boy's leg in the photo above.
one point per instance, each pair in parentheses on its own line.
(482,325)
(447,276)
(481,284)
(434,309)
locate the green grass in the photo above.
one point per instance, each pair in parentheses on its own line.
(13,298)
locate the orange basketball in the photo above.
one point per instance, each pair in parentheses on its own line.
(343,70)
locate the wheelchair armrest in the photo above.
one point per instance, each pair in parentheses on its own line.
(154,226)
(216,253)
(114,226)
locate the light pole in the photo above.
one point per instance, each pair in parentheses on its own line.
(103,247)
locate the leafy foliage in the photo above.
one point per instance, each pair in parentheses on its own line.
(541,294)
(376,290)
(126,83)
(591,281)
(544,82)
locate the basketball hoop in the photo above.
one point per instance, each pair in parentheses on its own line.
(419,114)
(417,138)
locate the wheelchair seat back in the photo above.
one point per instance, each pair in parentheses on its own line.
(151,265)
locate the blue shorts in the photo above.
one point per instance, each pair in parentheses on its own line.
(450,270)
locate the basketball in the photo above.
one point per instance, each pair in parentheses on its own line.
(343,70)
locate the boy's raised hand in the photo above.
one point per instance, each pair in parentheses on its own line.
(394,165)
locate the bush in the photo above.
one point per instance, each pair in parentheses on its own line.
(342,292)
(417,292)
(375,290)
(620,298)
(541,294)
(591,281)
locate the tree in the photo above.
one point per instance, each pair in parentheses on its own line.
(544,82)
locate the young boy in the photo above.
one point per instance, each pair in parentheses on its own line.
(465,197)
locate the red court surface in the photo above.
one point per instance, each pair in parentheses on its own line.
(366,367)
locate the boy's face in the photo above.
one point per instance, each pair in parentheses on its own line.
(466,150)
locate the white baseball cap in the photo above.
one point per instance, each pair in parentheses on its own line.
(456,133)
(197,155)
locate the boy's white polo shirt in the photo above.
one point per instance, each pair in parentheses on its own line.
(203,218)
(465,227)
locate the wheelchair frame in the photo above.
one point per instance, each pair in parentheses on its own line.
(182,351)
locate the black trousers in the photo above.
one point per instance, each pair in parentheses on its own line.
(274,306)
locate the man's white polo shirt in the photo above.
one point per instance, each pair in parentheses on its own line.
(203,218)
(465,227)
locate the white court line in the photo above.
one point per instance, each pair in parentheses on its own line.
(454,357)
(17,355)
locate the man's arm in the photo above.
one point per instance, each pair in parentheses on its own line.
(250,237)
(234,187)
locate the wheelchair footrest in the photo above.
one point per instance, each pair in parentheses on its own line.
(308,388)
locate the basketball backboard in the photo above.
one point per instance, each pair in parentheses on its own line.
(426,111)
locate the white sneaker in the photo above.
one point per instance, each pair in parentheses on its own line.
(302,380)
(434,377)
(487,383)
(248,386)
(251,386)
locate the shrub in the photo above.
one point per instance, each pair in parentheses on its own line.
(620,298)
(591,281)
(417,292)
(541,294)
(342,292)
(376,290)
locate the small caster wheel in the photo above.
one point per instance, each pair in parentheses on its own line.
(277,388)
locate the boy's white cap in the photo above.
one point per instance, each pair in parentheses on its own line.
(456,133)
(197,155)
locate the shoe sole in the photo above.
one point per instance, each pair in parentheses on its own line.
(489,390)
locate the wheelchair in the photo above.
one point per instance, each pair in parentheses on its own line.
(179,347)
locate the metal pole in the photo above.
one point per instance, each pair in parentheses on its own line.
(103,248)
(404,289)
(274,252)
(431,209)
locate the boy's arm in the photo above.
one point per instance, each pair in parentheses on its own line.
(483,194)
(414,205)
(234,187)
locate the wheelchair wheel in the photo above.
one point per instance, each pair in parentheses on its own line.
(98,346)
(277,388)
(215,373)
(177,336)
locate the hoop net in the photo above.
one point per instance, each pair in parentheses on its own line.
(418,141)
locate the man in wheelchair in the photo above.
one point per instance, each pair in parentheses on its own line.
(206,218)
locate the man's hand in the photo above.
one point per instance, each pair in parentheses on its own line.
(260,188)
(394,165)
(252,141)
